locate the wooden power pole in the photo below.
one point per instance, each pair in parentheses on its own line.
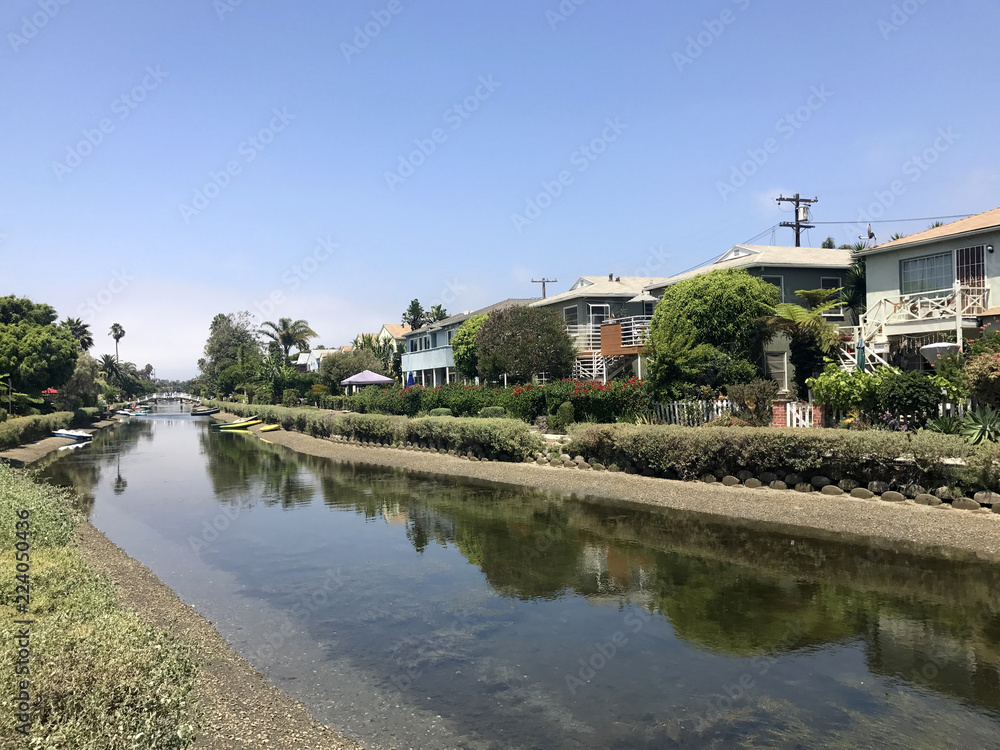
(801,215)
(543,281)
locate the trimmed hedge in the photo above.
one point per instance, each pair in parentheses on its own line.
(689,452)
(496,439)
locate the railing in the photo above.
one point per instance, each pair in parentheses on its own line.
(586,338)
(634,329)
(799,414)
(691,413)
(938,303)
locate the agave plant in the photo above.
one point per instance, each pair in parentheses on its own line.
(981,424)
(945,425)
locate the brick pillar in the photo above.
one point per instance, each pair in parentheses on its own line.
(779,415)
(817,411)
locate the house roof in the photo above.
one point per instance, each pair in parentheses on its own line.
(625,287)
(303,358)
(969,225)
(396,330)
(751,256)
(462,317)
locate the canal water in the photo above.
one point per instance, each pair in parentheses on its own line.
(429,612)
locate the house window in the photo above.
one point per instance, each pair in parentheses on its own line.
(599,313)
(647,309)
(778,281)
(928,274)
(570,315)
(833,282)
(450,334)
(413,345)
(434,341)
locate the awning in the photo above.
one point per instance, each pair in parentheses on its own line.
(367,377)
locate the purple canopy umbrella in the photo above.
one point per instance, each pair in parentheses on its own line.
(366,378)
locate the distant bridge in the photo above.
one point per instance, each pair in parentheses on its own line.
(157,398)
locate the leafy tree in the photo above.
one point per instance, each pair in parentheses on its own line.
(437,312)
(336,367)
(855,292)
(828,243)
(726,308)
(383,349)
(463,346)
(289,333)
(34,352)
(117,333)
(232,339)
(414,316)
(897,236)
(522,342)
(811,337)
(81,332)
(676,357)
(82,388)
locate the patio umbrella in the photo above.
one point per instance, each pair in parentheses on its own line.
(49,392)
(861,353)
(409,380)
(366,377)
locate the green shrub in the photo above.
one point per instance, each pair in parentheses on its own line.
(22,430)
(3,415)
(492,412)
(290,397)
(563,417)
(754,400)
(983,374)
(690,452)
(441,412)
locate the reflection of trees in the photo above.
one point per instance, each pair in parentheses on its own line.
(82,469)
(241,464)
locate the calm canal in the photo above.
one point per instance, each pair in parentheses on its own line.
(429,612)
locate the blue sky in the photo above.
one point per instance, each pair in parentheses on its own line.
(167,160)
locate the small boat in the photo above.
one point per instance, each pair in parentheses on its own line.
(241,425)
(78,435)
(203,412)
(269,428)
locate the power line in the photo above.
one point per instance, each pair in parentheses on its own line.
(895,221)
(801,215)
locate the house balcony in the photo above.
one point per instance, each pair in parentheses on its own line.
(622,336)
(938,310)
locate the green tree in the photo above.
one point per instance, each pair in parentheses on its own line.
(383,349)
(811,337)
(436,313)
(676,357)
(829,243)
(117,333)
(81,332)
(522,342)
(35,352)
(414,316)
(82,388)
(855,295)
(288,333)
(463,347)
(727,308)
(232,339)
(336,367)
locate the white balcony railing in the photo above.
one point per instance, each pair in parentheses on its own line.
(634,329)
(587,338)
(939,303)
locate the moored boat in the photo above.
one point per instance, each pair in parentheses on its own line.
(203,412)
(269,428)
(240,425)
(78,435)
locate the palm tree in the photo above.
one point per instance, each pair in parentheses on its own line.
(383,349)
(117,333)
(856,289)
(288,333)
(81,332)
(811,336)
(897,236)
(414,315)
(437,313)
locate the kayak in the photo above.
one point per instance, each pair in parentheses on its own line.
(203,412)
(240,425)
(269,428)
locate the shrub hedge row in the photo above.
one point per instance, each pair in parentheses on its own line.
(496,439)
(21,430)
(929,459)
(597,402)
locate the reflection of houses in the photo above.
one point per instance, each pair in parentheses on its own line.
(594,303)
(931,287)
(428,355)
(789,269)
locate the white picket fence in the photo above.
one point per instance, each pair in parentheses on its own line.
(799,414)
(691,413)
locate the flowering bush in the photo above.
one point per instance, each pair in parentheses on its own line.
(983,373)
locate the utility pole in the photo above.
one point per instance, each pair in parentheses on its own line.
(801,215)
(543,281)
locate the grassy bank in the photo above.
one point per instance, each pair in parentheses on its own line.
(100,677)
(495,439)
(21,430)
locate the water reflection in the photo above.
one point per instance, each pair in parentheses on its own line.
(846,646)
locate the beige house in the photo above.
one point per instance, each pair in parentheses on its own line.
(933,287)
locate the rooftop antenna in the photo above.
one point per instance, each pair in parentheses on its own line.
(543,281)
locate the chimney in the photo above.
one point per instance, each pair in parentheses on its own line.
(611,277)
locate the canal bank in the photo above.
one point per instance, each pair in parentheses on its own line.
(26,454)
(906,526)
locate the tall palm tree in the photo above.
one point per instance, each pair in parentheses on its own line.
(109,369)
(383,349)
(437,312)
(288,333)
(856,289)
(81,332)
(117,333)
(414,315)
